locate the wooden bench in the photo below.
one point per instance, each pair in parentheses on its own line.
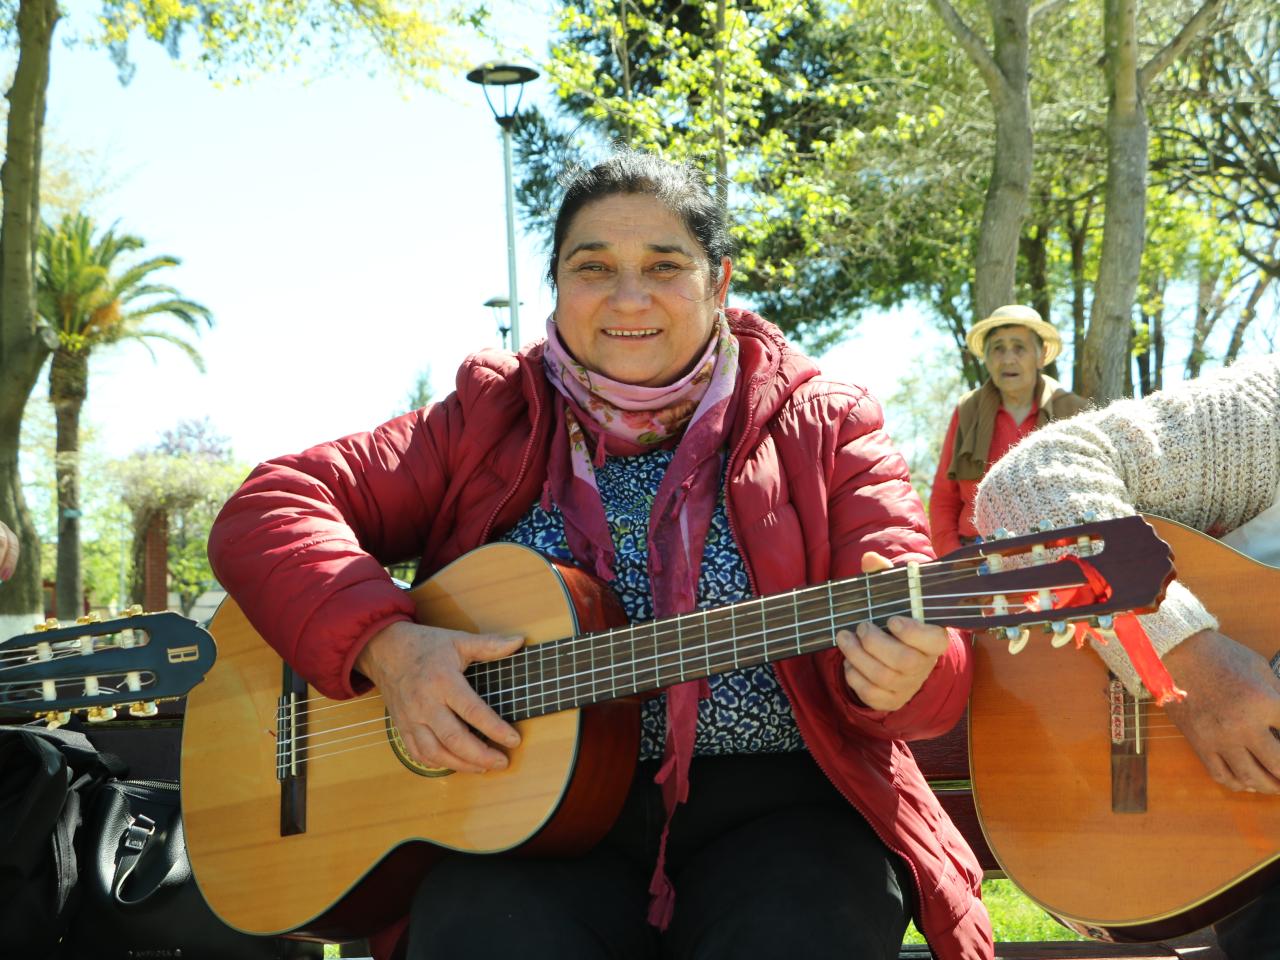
(151,748)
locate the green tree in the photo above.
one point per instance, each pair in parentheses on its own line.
(231,39)
(1129,80)
(185,492)
(93,299)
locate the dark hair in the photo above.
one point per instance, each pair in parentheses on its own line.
(680,187)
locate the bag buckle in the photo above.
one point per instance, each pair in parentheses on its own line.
(140,829)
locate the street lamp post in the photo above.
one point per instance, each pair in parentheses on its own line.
(505,76)
(496,304)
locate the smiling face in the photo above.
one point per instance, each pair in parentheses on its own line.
(1013,356)
(635,299)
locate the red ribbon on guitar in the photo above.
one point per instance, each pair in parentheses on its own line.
(1151,671)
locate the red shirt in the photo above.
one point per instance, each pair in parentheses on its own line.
(951,503)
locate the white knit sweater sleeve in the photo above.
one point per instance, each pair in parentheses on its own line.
(1205,453)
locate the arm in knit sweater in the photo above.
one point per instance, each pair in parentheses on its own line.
(1205,453)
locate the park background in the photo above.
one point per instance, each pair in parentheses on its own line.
(334,209)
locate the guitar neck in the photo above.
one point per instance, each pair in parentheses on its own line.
(594,667)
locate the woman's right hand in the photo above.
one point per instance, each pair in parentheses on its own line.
(418,670)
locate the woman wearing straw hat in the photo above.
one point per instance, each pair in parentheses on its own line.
(1014,344)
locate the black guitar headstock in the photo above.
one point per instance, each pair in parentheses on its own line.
(96,665)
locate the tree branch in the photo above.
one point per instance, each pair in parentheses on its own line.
(1044,7)
(1175,47)
(972,45)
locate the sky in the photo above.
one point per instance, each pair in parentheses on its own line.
(345,232)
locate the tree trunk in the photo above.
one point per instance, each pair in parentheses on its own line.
(1206,317)
(22,348)
(1007,201)
(1142,358)
(1035,251)
(1004,71)
(720,121)
(1106,353)
(1123,233)
(1077,233)
(1157,348)
(1247,314)
(68,388)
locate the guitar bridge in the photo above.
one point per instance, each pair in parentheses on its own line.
(291,761)
(1128,756)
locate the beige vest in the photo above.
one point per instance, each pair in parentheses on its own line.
(977,422)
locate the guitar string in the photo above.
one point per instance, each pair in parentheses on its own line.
(587,680)
(377,737)
(625,635)
(35,688)
(576,686)
(310,740)
(26,656)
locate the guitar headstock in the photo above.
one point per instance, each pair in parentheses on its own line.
(1123,567)
(97,665)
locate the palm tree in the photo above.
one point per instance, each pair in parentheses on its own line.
(92,300)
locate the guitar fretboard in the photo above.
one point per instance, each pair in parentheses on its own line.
(594,667)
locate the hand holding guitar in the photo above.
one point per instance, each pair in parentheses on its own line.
(1232,706)
(419,672)
(886,669)
(8,552)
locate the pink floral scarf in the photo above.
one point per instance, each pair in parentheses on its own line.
(627,420)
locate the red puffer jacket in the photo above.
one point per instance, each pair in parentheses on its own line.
(813,484)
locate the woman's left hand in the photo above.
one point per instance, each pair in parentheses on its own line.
(9,550)
(885,669)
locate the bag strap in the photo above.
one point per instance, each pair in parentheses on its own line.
(133,843)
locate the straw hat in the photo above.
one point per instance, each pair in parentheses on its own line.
(1015,315)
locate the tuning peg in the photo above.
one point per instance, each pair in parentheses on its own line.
(1001,534)
(100,714)
(50,624)
(1062,633)
(1089,516)
(1017,637)
(55,718)
(89,618)
(133,610)
(1104,622)
(143,708)
(1045,525)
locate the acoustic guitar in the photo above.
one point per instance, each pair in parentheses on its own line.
(306,814)
(1094,804)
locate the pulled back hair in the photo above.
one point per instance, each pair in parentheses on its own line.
(680,187)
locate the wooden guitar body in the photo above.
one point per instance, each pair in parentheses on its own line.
(372,824)
(1132,843)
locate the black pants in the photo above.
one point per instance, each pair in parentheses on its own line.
(767,858)
(1253,933)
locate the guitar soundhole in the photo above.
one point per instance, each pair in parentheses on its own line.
(402,754)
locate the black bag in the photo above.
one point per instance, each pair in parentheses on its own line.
(93,867)
(46,777)
(140,899)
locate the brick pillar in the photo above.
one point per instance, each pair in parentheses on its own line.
(155,564)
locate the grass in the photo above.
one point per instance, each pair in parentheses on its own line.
(1014,918)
